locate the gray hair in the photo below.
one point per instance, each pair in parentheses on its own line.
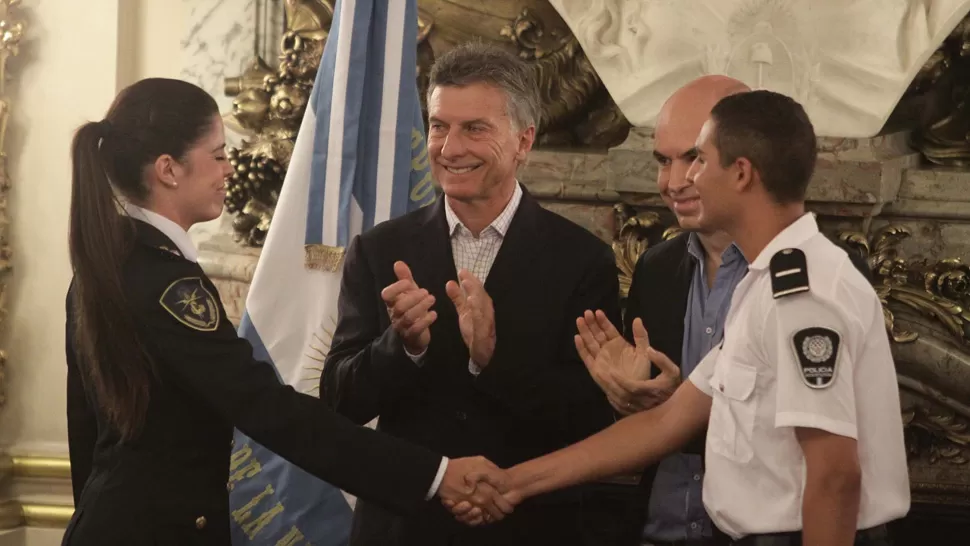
(477,62)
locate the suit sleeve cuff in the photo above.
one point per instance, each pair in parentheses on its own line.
(418,358)
(437,479)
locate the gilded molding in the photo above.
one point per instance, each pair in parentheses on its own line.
(11,31)
(14,514)
(634,233)
(41,467)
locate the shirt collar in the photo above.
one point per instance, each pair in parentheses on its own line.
(696,249)
(792,236)
(501,222)
(171,230)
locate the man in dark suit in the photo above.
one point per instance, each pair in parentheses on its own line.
(681,291)
(456,322)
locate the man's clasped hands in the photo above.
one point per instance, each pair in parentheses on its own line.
(473,489)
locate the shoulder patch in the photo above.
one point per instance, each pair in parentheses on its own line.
(789,273)
(817,350)
(189,301)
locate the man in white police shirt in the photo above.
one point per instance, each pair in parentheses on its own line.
(804,436)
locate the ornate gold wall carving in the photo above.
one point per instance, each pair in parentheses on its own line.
(11,31)
(635,233)
(936,420)
(14,513)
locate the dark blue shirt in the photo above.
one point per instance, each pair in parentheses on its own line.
(676,510)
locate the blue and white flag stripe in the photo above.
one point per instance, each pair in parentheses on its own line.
(372,113)
(360,159)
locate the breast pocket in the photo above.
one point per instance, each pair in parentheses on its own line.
(733,411)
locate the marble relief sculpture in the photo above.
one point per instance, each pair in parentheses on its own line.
(847,61)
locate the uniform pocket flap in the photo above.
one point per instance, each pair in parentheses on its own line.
(738,381)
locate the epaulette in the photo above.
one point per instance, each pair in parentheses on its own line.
(789,273)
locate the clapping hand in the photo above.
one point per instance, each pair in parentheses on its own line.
(473,490)
(476,316)
(622,370)
(410,310)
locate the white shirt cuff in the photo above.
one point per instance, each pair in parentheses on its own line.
(473,368)
(437,479)
(418,358)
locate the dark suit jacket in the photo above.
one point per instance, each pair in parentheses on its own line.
(168,486)
(658,296)
(534,397)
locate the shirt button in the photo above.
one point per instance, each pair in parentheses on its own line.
(697,477)
(694,525)
(460,415)
(709,330)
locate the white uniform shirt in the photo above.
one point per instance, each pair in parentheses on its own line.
(763,383)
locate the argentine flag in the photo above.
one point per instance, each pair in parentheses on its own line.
(360,159)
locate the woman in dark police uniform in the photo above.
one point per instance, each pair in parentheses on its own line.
(157,376)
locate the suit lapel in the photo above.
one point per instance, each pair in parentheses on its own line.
(435,263)
(519,249)
(673,290)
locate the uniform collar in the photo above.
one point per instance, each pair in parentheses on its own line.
(792,236)
(169,228)
(501,222)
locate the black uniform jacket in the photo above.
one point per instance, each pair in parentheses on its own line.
(168,487)
(535,395)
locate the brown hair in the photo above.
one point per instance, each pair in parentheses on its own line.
(151,118)
(773,132)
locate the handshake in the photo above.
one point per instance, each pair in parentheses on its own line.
(476,491)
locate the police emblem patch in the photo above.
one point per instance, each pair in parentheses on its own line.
(191,304)
(818,353)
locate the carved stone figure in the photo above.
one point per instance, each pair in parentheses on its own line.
(847,61)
